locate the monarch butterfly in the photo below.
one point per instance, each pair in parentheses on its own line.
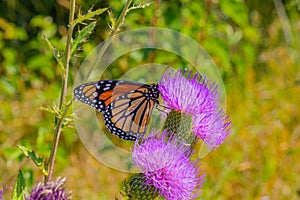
(125,105)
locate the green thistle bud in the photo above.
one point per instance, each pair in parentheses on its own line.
(180,124)
(136,189)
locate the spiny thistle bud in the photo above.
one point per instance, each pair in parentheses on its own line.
(135,188)
(180,124)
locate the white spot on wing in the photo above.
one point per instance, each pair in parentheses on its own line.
(95,94)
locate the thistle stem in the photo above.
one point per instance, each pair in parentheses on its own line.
(115,29)
(60,120)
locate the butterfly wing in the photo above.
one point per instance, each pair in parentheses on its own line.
(89,93)
(128,115)
(126,106)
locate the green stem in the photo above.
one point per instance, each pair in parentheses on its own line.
(115,29)
(68,54)
(63,94)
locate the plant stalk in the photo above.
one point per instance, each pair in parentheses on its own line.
(59,124)
(115,29)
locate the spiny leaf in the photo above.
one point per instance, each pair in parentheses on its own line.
(89,16)
(140,6)
(67,115)
(47,109)
(68,122)
(53,110)
(38,161)
(19,188)
(82,36)
(55,53)
(111,19)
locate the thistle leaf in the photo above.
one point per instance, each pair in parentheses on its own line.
(38,161)
(19,188)
(82,36)
(89,16)
(55,53)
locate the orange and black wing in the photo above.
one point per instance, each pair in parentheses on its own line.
(128,115)
(126,106)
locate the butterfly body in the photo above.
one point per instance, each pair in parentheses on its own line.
(125,105)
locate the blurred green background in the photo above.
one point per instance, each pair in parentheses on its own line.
(254,43)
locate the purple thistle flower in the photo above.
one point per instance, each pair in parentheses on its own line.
(50,191)
(166,166)
(198,97)
(1,193)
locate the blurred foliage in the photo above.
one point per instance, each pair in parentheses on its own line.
(254,43)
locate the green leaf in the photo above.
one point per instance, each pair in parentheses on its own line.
(19,188)
(38,161)
(47,109)
(82,36)
(55,52)
(111,19)
(89,16)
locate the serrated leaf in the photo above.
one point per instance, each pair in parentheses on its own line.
(82,36)
(19,188)
(55,52)
(53,110)
(47,109)
(88,16)
(140,6)
(38,161)
(111,19)
(67,121)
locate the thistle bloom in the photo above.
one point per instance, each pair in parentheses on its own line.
(1,193)
(50,191)
(166,166)
(199,98)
